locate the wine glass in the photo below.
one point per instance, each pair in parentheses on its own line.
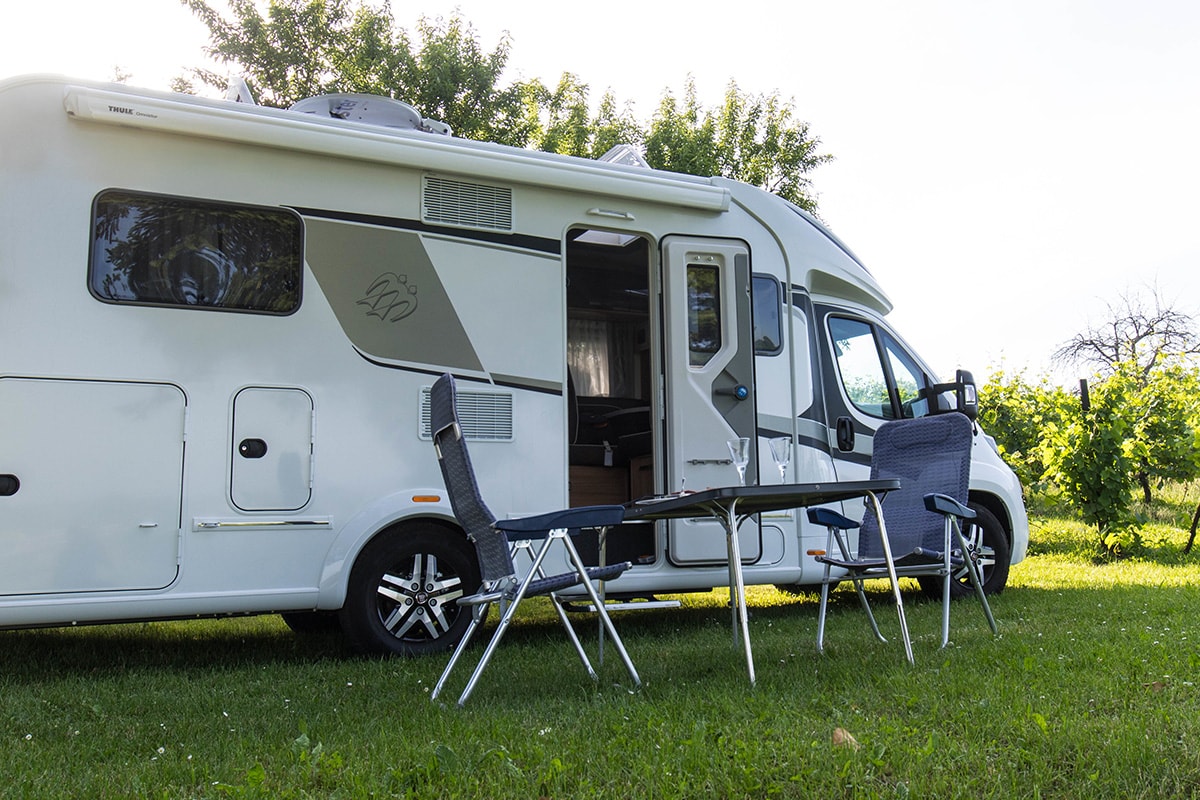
(781,451)
(739,451)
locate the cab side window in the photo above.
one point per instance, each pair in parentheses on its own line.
(878,376)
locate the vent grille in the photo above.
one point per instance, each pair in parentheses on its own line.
(467,205)
(484,416)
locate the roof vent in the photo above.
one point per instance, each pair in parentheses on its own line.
(371,110)
(625,154)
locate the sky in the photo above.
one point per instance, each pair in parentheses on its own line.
(1006,170)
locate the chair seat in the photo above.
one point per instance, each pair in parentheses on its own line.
(918,557)
(580,517)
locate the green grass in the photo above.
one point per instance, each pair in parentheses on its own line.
(1089,691)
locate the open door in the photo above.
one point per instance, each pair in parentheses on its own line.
(709,384)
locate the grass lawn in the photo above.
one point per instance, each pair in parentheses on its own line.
(1089,691)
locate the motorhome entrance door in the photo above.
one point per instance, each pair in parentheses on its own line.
(709,384)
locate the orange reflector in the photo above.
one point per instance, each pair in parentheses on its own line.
(816,552)
(426,498)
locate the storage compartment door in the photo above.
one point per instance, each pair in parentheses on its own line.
(97,471)
(272,449)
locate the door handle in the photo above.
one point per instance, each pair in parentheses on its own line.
(252,448)
(845,434)
(739,392)
(9,484)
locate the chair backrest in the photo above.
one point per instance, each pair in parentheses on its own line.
(926,454)
(491,545)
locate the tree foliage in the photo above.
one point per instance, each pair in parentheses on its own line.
(1136,427)
(1152,343)
(303,48)
(1018,414)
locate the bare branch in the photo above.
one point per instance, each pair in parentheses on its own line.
(1143,330)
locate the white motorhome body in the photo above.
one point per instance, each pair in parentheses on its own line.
(222,322)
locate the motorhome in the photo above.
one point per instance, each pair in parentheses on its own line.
(221,322)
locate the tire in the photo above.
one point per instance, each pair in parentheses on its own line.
(984,535)
(402,591)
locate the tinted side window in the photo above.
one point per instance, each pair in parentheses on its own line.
(768,324)
(153,250)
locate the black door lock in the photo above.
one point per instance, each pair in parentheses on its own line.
(252,448)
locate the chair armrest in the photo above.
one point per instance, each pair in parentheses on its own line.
(831,519)
(944,504)
(573,518)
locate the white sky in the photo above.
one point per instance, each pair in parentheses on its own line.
(1004,168)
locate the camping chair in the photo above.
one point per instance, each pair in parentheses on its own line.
(920,533)
(501,584)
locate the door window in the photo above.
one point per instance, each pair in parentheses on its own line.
(878,376)
(704,314)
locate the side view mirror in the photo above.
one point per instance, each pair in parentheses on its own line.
(960,396)
(965,395)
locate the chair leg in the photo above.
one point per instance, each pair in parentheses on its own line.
(862,599)
(844,548)
(976,578)
(478,613)
(574,637)
(821,612)
(605,620)
(509,611)
(947,576)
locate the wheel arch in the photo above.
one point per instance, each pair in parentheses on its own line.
(386,515)
(997,508)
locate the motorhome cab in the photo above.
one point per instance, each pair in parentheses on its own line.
(221,323)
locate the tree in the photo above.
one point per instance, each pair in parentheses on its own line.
(750,138)
(302,48)
(1148,340)
(1138,330)
(1091,458)
(1135,428)
(290,54)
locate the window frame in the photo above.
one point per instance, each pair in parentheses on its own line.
(882,338)
(758,279)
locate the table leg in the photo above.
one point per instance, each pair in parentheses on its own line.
(737,587)
(891,567)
